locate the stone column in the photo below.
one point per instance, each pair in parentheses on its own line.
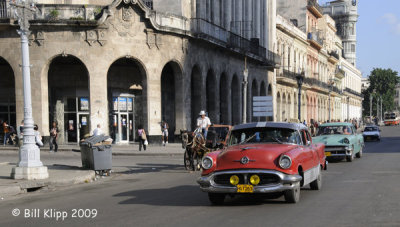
(59,118)
(216,11)
(238,16)
(248,18)
(257,18)
(227,14)
(98,100)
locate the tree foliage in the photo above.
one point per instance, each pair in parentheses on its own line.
(383,85)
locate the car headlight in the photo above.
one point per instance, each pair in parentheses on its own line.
(207,162)
(285,162)
(345,140)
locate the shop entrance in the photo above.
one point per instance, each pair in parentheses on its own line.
(76,118)
(126,85)
(69,103)
(122,130)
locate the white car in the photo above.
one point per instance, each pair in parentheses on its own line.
(372,133)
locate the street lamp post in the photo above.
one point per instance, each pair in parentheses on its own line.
(29,166)
(330,90)
(245,82)
(370,107)
(300,78)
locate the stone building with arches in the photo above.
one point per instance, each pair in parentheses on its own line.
(124,65)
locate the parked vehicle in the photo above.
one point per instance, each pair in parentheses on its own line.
(264,158)
(372,133)
(341,141)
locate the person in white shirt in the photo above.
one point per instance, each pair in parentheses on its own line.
(97,131)
(203,122)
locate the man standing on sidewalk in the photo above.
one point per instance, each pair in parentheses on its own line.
(164,130)
(53,137)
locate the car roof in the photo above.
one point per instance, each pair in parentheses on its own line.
(337,124)
(294,126)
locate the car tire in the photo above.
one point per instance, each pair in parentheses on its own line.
(360,153)
(293,195)
(350,158)
(317,183)
(216,198)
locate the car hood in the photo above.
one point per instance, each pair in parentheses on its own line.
(261,156)
(371,133)
(331,139)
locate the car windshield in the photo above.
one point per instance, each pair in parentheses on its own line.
(370,129)
(264,135)
(218,133)
(331,130)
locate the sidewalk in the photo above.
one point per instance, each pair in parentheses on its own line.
(129,149)
(59,175)
(64,175)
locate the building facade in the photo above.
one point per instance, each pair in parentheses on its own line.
(124,65)
(332,84)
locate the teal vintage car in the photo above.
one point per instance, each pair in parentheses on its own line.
(341,140)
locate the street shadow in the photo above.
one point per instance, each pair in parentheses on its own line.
(64,167)
(189,196)
(152,168)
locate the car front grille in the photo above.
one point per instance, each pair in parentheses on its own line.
(334,148)
(244,178)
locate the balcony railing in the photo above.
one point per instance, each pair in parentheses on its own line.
(214,33)
(314,3)
(204,29)
(352,92)
(315,36)
(4,10)
(288,74)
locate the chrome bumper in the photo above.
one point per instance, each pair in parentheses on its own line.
(338,152)
(287,182)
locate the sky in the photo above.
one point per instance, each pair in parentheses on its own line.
(378,35)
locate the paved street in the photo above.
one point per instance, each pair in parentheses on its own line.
(157,191)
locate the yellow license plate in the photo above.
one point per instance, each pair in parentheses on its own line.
(328,154)
(244,188)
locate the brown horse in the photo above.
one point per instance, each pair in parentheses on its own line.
(194,144)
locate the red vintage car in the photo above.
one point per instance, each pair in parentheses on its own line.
(264,157)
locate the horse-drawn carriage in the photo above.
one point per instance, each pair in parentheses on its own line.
(196,146)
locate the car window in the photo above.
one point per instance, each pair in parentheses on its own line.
(304,137)
(264,135)
(332,130)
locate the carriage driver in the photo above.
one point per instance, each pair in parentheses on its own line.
(203,122)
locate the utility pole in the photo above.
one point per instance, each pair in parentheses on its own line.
(29,166)
(245,82)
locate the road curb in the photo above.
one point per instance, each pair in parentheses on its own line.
(23,187)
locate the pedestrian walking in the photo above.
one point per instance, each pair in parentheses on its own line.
(142,138)
(38,137)
(164,130)
(203,123)
(53,137)
(97,131)
(6,131)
